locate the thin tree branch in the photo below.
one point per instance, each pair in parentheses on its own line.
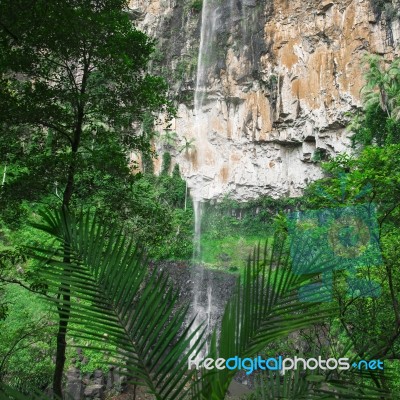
(19,283)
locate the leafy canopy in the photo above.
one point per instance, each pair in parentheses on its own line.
(73,90)
(379,122)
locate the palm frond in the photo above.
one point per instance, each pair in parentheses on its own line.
(382,85)
(291,386)
(264,308)
(8,393)
(299,385)
(115,299)
(353,383)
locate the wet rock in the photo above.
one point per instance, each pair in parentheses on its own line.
(120,380)
(237,390)
(79,353)
(98,377)
(94,392)
(74,387)
(201,279)
(110,379)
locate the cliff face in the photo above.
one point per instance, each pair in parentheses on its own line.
(270,92)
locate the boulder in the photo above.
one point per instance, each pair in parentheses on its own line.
(74,386)
(94,392)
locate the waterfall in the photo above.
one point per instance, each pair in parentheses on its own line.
(197,267)
(202,288)
(209,21)
(198,212)
(217,17)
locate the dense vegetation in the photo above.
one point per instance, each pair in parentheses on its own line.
(80,219)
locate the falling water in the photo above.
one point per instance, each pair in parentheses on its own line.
(209,21)
(198,270)
(212,21)
(198,212)
(202,290)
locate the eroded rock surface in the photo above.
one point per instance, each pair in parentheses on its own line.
(277,78)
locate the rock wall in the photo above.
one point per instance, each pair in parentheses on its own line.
(280,79)
(95,386)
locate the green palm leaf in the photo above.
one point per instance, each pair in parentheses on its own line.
(264,308)
(291,386)
(114,298)
(299,385)
(7,393)
(349,384)
(382,86)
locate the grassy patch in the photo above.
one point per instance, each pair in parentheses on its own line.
(229,253)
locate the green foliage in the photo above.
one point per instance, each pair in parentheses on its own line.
(166,163)
(147,163)
(254,315)
(158,218)
(169,138)
(149,133)
(264,309)
(372,177)
(107,271)
(305,385)
(182,67)
(178,242)
(70,118)
(73,89)
(11,262)
(26,342)
(379,123)
(196,5)
(319,155)
(253,218)
(151,208)
(187,145)
(90,356)
(8,393)
(230,229)
(99,76)
(158,55)
(375,174)
(71,115)
(229,253)
(374,127)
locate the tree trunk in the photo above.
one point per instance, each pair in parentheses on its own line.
(65,292)
(63,313)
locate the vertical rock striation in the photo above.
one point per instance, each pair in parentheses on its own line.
(280,79)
